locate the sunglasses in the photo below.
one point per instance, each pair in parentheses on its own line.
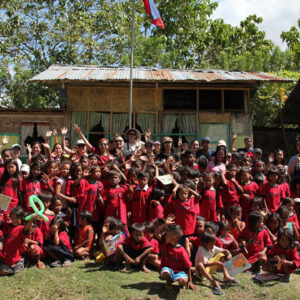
(81,146)
(103,144)
(118,141)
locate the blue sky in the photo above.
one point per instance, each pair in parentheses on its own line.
(278,15)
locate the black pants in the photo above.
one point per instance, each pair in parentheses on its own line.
(61,251)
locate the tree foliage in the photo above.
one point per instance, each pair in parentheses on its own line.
(35,34)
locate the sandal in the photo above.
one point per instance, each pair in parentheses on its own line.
(66,263)
(217,290)
(232,281)
(55,264)
(40,265)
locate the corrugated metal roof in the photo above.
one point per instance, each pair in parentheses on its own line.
(73,73)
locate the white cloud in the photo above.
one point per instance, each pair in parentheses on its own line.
(278,15)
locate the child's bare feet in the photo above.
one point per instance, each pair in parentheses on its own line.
(126,269)
(145,269)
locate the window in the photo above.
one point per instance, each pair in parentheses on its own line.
(180,99)
(210,99)
(233,100)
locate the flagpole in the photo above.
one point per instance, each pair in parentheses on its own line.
(131,63)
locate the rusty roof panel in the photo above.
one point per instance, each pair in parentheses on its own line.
(69,73)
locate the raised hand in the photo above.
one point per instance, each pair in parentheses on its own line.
(54,132)
(48,133)
(28,148)
(76,128)
(64,130)
(271,158)
(148,134)
(5,140)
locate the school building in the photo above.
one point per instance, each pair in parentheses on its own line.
(181,103)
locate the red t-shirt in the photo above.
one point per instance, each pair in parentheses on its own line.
(140,204)
(64,238)
(155,211)
(273,195)
(155,246)
(210,201)
(45,227)
(286,188)
(256,242)
(37,236)
(12,192)
(294,219)
(116,206)
(90,195)
(185,215)
(143,244)
(196,241)
(175,258)
(29,188)
(252,190)
(230,195)
(291,255)
(78,192)
(13,242)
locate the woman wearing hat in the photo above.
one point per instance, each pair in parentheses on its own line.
(133,140)
(167,150)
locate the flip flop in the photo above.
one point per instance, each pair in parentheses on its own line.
(66,263)
(55,264)
(218,291)
(232,281)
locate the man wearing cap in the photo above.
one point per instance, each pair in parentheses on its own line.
(205,150)
(16,151)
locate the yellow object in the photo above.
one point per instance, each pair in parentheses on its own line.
(100,258)
(214,268)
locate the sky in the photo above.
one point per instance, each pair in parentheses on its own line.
(278,15)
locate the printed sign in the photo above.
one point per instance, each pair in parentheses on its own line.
(237,264)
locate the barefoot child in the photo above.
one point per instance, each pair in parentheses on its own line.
(135,249)
(175,262)
(85,235)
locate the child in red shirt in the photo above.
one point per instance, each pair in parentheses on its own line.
(33,245)
(11,184)
(211,201)
(272,191)
(255,240)
(85,235)
(156,208)
(116,197)
(33,185)
(11,260)
(236,225)
(283,257)
(185,209)
(293,218)
(153,258)
(250,190)
(59,247)
(175,262)
(232,188)
(135,249)
(140,199)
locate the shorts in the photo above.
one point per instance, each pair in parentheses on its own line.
(174,276)
(19,266)
(132,253)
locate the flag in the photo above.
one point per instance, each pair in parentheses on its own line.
(153,12)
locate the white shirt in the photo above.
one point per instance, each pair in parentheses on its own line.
(204,256)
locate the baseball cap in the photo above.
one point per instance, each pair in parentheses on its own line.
(25,168)
(206,138)
(222,143)
(80,142)
(257,150)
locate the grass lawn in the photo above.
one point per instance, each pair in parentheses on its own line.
(83,280)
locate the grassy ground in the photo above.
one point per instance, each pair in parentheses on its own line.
(83,280)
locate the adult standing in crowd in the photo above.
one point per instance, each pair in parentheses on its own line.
(133,140)
(294,163)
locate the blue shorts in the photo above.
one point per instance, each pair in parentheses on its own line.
(174,276)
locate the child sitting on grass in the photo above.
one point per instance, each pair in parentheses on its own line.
(59,247)
(283,258)
(135,249)
(85,235)
(175,262)
(210,258)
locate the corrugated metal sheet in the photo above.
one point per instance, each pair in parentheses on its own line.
(69,73)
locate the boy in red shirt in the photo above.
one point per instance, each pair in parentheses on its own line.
(175,262)
(231,187)
(11,260)
(135,249)
(140,199)
(250,190)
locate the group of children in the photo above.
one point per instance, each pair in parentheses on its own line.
(118,208)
